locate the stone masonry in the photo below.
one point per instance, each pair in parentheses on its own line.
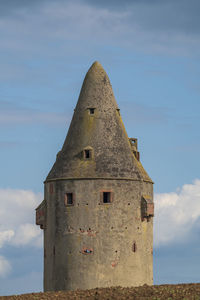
(97,212)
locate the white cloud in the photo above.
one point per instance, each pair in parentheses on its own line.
(177,214)
(176,219)
(5,267)
(17,218)
(27,234)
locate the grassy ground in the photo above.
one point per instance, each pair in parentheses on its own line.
(156,292)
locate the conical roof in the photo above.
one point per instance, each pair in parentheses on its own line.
(97,127)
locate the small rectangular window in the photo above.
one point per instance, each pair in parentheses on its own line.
(91,110)
(106,197)
(87,153)
(69,199)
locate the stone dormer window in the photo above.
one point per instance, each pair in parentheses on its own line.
(134,147)
(106,197)
(69,199)
(88,153)
(147,207)
(118,111)
(41,215)
(91,110)
(134,143)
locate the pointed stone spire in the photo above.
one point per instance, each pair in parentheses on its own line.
(97,145)
(96,90)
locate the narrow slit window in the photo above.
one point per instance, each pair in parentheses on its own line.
(69,199)
(106,197)
(51,188)
(134,247)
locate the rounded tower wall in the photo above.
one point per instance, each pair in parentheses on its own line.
(98,206)
(95,243)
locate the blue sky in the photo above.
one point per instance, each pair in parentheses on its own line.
(150,50)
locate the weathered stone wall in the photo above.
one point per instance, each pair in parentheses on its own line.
(93,244)
(119,241)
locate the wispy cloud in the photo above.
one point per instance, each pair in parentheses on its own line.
(22,115)
(160,26)
(145,114)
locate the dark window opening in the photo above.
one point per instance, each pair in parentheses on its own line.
(87,153)
(69,199)
(106,197)
(91,110)
(87,251)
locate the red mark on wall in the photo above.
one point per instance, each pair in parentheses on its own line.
(114,264)
(91,232)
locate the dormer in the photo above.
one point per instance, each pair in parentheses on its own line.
(134,145)
(147,207)
(88,153)
(41,215)
(91,111)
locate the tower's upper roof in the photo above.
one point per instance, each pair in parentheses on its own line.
(97,126)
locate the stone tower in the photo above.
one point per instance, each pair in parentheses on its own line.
(98,203)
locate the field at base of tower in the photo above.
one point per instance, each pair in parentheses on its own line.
(167,291)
